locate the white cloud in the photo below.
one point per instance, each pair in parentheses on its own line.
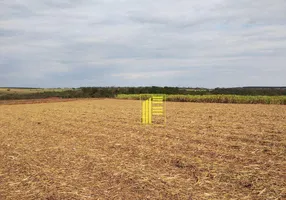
(148,75)
(133,38)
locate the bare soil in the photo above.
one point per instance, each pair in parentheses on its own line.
(34,101)
(97,149)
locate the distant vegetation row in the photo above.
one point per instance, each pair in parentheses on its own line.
(219,98)
(223,95)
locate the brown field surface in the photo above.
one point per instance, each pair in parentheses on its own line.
(4,91)
(18,91)
(35,101)
(96,149)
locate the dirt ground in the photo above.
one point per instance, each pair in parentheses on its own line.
(97,149)
(37,101)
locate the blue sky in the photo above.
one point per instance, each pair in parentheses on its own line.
(206,43)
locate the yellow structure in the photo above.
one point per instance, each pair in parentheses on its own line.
(146,111)
(153,106)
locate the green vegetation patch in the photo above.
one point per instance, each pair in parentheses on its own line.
(214,98)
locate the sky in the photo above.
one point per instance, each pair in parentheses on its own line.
(184,43)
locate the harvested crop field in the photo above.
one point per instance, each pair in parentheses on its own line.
(32,101)
(96,149)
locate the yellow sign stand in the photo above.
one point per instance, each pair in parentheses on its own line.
(154,106)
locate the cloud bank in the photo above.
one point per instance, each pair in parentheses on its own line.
(207,43)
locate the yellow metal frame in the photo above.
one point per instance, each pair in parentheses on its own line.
(147,111)
(156,105)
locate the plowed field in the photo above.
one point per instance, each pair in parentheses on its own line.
(97,149)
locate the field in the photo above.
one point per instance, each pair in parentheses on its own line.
(239,99)
(97,149)
(35,101)
(4,91)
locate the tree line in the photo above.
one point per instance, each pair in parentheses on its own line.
(111,92)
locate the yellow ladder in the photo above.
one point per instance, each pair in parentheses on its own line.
(153,106)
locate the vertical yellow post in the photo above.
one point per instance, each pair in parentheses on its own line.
(150,111)
(147,113)
(143,112)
